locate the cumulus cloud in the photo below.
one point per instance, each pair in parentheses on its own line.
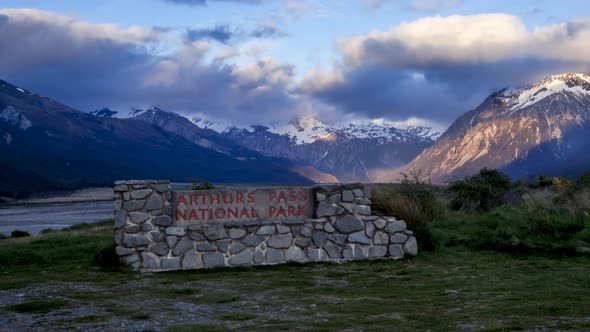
(94,65)
(439,67)
(220,33)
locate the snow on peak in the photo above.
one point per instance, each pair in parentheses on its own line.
(576,84)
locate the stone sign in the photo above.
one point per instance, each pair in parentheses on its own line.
(242,205)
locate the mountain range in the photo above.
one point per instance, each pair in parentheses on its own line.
(543,128)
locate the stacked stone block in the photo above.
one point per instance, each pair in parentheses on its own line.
(342,230)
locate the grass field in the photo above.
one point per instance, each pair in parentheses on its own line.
(51,282)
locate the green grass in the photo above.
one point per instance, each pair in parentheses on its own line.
(456,287)
(37,306)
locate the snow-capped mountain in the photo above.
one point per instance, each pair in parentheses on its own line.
(543,128)
(351,152)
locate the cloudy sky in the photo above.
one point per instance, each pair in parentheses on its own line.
(267,61)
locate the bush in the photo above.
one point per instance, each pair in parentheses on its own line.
(19,233)
(202,185)
(481,192)
(412,200)
(107,258)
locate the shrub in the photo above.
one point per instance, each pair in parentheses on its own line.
(19,233)
(481,192)
(107,258)
(201,185)
(412,200)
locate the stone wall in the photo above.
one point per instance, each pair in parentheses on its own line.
(343,229)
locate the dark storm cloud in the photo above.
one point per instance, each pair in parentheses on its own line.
(91,66)
(220,33)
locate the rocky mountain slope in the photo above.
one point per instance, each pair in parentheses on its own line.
(350,153)
(543,128)
(45,145)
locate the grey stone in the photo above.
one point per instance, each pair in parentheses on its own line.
(363,209)
(236,233)
(318,226)
(335,198)
(118,204)
(266,230)
(328,188)
(282,241)
(155,202)
(333,250)
(395,226)
(358,193)
(147,227)
(120,219)
(138,217)
(380,223)
(131,259)
(316,255)
(274,255)
(178,231)
(118,236)
(359,237)
(160,248)
(171,240)
(380,238)
(184,245)
(302,242)
(196,236)
(377,251)
(396,251)
(211,259)
(223,245)
(157,236)
(133,205)
(370,218)
(258,256)
(172,263)
(140,194)
(363,201)
(195,227)
(163,221)
(122,251)
(337,238)
(408,232)
(319,197)
(252,240)
(369,229)
(348,252)
(120,188)
(347,196)
(398,238)
(319,238)
(243,258)
(160,187)
(329,228)
(139,186)
(191,260)
(326,210)
(132,241)
(411,247)
(236,248)
(295,254)
(349,207)
(306,231)
(205,246)
(127,196)
(120,182)
(132,229)
(216,232)
(349,224)
(360,252)
(150,261)
(283,229)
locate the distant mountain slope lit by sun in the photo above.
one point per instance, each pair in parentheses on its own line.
(543,128)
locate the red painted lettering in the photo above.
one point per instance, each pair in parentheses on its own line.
(301,210)
(250,197)
(203,211)
(181,199)
(291,210)
(302,195)
(272,196)
(244,213)
(214,198)
(227,200)
(240,197)
(193,215)
(281,212)
(292,196)
(282,196)
(232,211)
(271,211)
(180,214)
(193,199)
(220,213)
